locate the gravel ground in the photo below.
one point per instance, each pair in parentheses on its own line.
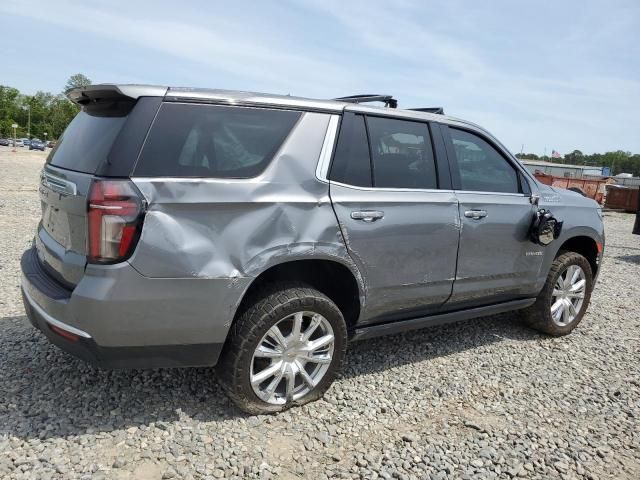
(481,399)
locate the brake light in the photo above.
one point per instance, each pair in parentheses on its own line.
(115,220)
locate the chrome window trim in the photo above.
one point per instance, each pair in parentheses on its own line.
(387,189)
(502,194)
(326,153)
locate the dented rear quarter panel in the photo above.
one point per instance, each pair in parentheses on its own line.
(213,229)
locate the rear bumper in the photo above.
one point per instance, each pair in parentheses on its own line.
(116,318)
(85,348)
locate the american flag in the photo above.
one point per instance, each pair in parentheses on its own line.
(555,154)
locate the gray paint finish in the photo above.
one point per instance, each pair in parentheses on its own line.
(214,228)
(204,241)
(496,259)
(409,255)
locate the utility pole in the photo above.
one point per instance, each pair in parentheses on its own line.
(27,107)
(14,126)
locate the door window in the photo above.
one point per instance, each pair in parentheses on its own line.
(351,162)
(481,168)
(402,154)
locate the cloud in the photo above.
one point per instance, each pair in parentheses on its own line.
(541,74)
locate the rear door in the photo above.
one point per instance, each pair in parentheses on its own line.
(102,140)
(398,218)
(496,259)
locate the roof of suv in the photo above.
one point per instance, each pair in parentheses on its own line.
(84,94)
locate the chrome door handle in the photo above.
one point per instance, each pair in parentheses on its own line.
(475,214)
(367,215)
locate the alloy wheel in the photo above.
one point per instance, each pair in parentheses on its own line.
(568,295)
(292,357)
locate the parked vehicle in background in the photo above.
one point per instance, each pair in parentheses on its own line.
(26,142)
(260,233)
(19,142)
(51,144)
(36,144)
(5,142)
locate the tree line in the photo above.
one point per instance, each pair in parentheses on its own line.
(52,113)
(618,161)
(48,112)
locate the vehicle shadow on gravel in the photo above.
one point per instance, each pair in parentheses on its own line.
(629,258)
(46,393)
(378,354)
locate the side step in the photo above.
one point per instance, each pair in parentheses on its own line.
(439,319)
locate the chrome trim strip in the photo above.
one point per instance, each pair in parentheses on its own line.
(49,319)
(105,207)
(501,194)
(58,184)
(386,189)
(322,170)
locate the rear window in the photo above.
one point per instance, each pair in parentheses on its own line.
(85,144)
(188,140)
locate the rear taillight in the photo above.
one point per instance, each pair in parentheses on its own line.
(115,220)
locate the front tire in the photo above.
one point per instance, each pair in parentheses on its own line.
(285,348)
(565,296)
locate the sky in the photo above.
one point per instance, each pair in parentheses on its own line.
(541,76)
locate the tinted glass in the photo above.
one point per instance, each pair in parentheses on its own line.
(188,140)
(351,163)
(402,154)
(481,168)
(86,142)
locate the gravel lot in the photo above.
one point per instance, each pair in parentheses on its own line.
(481,399)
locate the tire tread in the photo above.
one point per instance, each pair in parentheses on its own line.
(255,313)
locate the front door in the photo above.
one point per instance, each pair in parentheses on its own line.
(496,259)
(399,227)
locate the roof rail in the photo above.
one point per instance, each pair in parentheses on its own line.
(388,100)
(438,110)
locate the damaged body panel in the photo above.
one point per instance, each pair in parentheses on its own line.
(408,256)
(169,213)
(232,230)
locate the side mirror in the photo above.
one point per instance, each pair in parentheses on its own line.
(545,228)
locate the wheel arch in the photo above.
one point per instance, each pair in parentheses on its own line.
(585,245)
(337,279)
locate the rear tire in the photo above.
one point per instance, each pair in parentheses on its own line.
(269,362)
(564,298)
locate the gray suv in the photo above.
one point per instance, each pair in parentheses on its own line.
(261,233)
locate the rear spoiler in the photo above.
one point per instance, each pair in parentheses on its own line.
(109,92)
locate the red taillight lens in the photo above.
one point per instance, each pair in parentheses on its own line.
(72,337)
(115,219)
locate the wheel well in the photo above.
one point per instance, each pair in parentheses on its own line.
(585,246)
(331,278)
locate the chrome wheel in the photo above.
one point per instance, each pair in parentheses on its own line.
(568,295)
(292,357)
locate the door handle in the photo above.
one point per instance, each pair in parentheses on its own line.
(475,214)
(367,215)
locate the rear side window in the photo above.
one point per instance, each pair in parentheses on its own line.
(87,141)
(402,154)
(351,163)
(481,167)
(189,140)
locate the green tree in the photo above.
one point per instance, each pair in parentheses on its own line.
(575,158)
(75,81)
